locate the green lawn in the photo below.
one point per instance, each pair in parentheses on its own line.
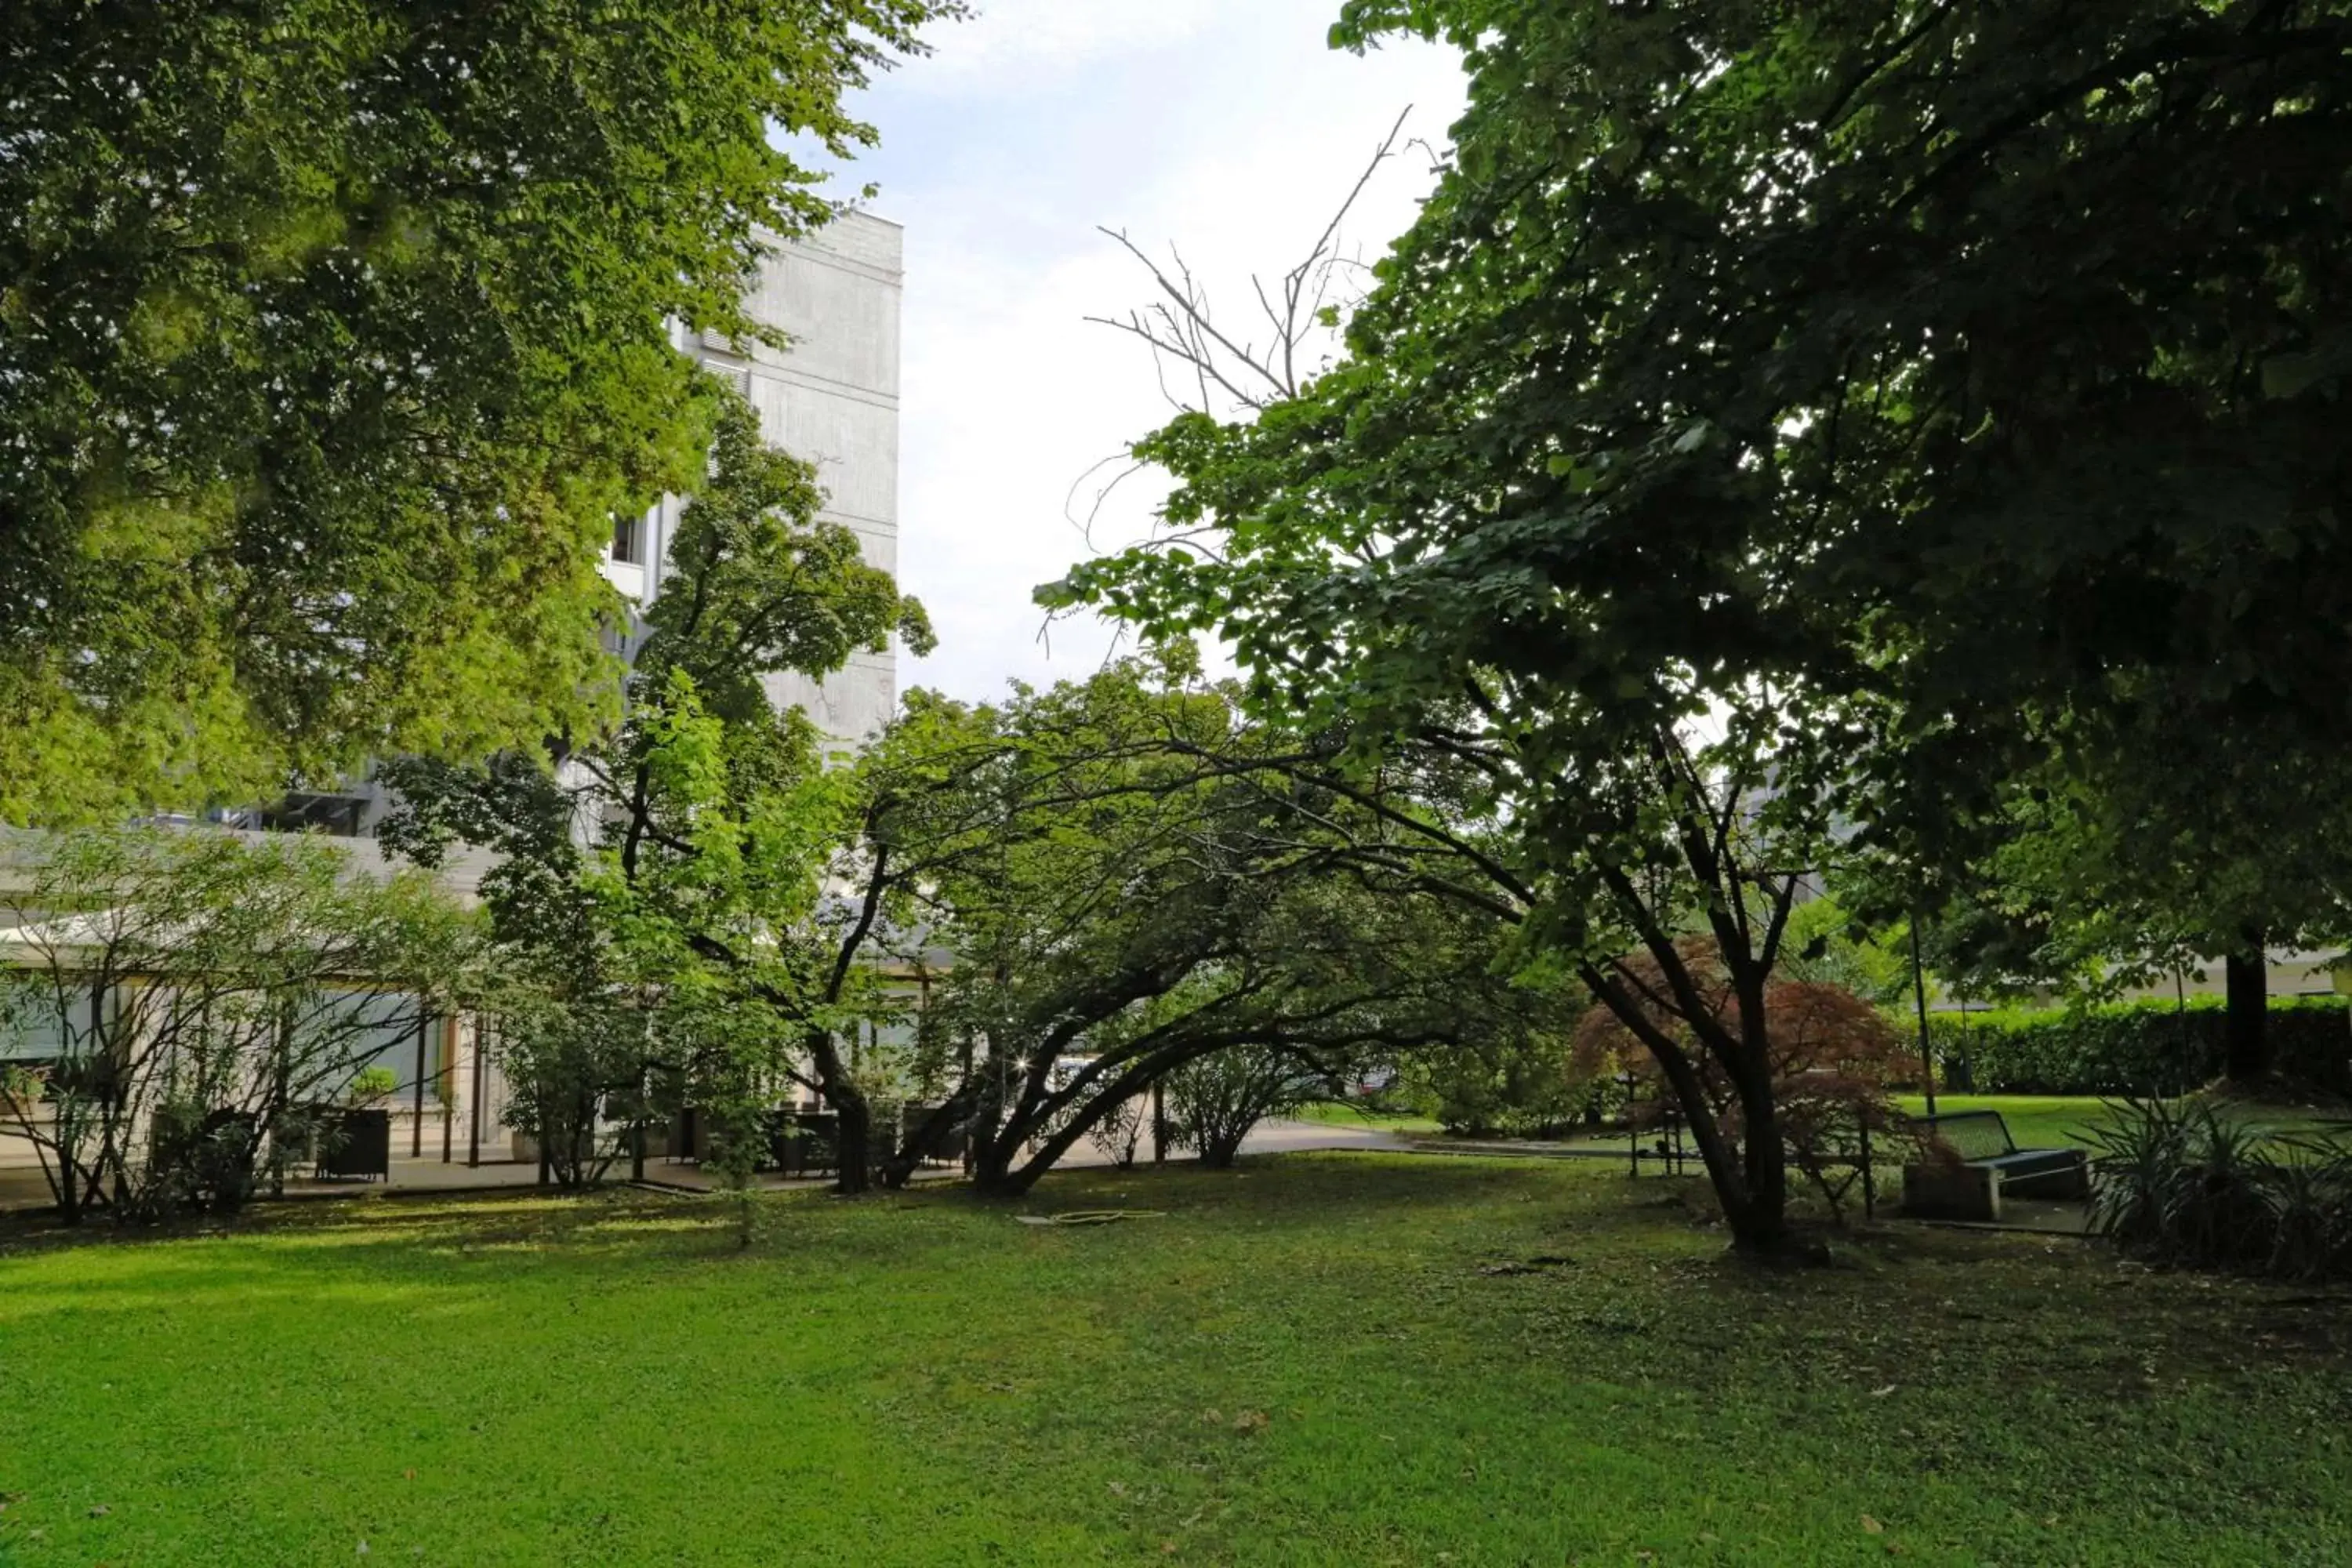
(1329,1359)
(2035,1120)
(2060,1122)
(1350,1115)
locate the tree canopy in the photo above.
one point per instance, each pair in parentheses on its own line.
(333,336)
(1125,892)
(1784,425)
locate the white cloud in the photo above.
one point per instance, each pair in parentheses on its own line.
(1009,43)
(1234,141)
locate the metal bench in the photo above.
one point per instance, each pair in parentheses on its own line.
(1982,1140)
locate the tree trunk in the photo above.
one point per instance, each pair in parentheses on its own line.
(68,1189)
(1762,1228)
(1757,1219)
(1750,1182)
(898,1168)
(854,1116)
(2245,976)
(991,1166)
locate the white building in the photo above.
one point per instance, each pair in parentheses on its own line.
(831,398)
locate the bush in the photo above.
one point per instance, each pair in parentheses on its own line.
(1522,1087)
(2184,1186)
(2148,1048)
(207,996)
(578,1074)
(1119,1132)
(1214,1100)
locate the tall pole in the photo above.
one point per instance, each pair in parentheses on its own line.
(474,1100)
(1920,992)
(416,1109)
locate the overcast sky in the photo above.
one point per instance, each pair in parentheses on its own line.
(1225,126)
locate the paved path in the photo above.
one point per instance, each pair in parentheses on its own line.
(25,1189)
(1289,1137)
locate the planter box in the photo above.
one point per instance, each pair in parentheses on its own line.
(1951,1191)
(357,1143)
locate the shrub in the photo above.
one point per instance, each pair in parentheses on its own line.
(1522,1086)
(1118,1132)
(207,995)
(1214,1100)
(578,1075)
(2182,1185)
(2144,1048)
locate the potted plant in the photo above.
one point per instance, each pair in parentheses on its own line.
(370,1087)
(357,1140)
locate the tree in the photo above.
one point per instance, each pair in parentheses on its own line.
(191,1001)
(1537,755)
(1125,892)
(2150,858)
(334,338)
(678,869)
(1785,421)
(1834,1058)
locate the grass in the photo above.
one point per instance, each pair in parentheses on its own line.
(1325,1359)
(2035,1120)
(1336,1114)
(2062,1121)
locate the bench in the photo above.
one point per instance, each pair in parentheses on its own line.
(1991,1166)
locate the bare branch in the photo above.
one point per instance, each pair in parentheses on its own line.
(1182,327)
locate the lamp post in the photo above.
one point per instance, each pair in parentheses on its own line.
(1919,993)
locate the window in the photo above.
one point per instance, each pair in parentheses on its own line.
(629,541)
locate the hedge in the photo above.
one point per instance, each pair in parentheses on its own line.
(2132,1047)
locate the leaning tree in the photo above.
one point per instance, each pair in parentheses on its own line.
(1127,890)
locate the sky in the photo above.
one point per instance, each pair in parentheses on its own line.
(1226,127)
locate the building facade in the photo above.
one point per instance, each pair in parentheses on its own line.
(831,398)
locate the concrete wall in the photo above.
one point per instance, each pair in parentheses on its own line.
(833,399)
